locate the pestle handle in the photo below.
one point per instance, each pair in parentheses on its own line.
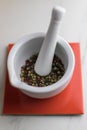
(44,61)
(58,13)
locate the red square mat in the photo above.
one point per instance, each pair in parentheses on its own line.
(70,101)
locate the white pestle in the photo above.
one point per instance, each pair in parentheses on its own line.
(44,61)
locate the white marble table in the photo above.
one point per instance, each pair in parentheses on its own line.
(21,17)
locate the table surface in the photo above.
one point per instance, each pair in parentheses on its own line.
(21,17)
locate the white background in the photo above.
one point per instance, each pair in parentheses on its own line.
(21,17)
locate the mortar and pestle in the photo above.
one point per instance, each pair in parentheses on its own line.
(46,45)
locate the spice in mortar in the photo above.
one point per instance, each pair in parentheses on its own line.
(29,76)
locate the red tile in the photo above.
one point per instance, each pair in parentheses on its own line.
(70,101)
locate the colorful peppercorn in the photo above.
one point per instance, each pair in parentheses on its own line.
(29,76)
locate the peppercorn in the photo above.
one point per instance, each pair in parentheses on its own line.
(30,77)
